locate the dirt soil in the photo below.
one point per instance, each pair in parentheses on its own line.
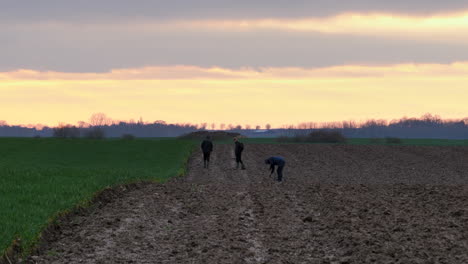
(337,204)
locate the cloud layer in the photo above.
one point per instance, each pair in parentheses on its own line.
(97,36)
(181,72)
(85,10)
(314,42)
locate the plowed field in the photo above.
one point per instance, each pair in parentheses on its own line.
(337,204)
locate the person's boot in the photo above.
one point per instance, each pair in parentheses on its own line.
(243,167)
(237,165)
(204,164)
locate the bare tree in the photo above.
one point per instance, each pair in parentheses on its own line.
(349,124)
(268,126)
(99,119)
(82,124)
(248,127)
(213,126)
(203,126)
(3,123)
(302,126)
(257,127)
(223,126)
(230,127)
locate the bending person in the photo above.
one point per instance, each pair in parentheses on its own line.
(276,161)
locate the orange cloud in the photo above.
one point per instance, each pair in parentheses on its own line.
(459,69)
(375,24)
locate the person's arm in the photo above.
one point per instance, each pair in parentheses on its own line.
(272,168)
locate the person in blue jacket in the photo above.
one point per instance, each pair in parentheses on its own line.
(276,161)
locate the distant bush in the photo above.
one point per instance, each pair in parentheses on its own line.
(66,132)
(95,133)
(215,135)
(393,140)
(128,136)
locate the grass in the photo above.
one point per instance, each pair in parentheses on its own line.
(40,178)
(366,141)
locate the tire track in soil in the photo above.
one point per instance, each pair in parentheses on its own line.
(337,204)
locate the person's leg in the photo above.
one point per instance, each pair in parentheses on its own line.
(280,173)
(204,159)
(238,159)
(208,159)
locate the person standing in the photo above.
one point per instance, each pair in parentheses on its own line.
(276,161)
(239,147)
(207,148)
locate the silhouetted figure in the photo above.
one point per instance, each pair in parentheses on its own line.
(276,161)
(239,147)
(207,148)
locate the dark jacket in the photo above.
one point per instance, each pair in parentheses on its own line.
(275,161)
(239,147)
(207,146)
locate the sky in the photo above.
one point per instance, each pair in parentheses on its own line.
(225,61)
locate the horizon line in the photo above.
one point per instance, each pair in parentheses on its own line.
(235,125)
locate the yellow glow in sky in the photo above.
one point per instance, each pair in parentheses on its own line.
(247,96)
(375,24)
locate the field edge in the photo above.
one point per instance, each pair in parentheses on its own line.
(16,252)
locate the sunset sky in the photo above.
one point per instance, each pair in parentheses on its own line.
(240,62)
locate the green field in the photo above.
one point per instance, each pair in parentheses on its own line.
(42,177)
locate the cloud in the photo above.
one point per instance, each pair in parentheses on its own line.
(182,72)
(86,10)
(98,36)
(431,27)
(436,27)
(99,48)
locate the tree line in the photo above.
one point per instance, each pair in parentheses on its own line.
(100,126)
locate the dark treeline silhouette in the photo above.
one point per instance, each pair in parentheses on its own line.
(428,126)
(100,126)
(20,131)
(124,130)
(115,130)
